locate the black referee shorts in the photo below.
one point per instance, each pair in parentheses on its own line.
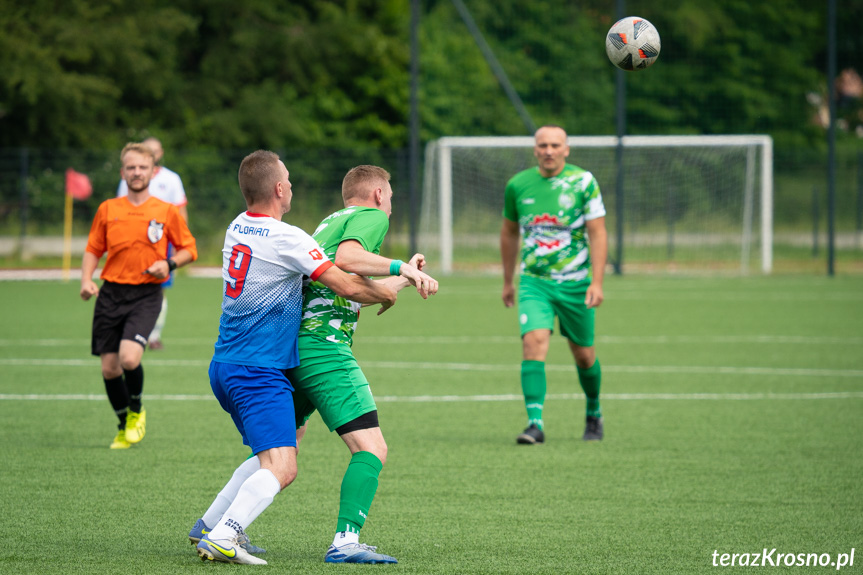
(124,311)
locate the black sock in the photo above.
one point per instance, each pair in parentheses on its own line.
(135,385)
(118,395)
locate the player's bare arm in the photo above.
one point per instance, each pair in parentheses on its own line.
(598,237)
(509,238)
(358,288)
(88,268)
(352,257)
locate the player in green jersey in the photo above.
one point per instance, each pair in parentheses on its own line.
(552,211)
(328,378)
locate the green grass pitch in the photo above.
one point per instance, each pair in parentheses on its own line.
(734,423)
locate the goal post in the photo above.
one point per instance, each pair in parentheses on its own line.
(692,203)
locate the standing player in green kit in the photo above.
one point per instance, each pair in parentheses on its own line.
(550,208)
(328,378)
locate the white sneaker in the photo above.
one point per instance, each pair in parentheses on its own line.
(226,551)
(356,553)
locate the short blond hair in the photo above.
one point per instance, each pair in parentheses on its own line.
(362,180)
(257,175)
(552,126)
(139,148)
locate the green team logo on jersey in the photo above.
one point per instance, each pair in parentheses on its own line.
(551,213)
(325,314)
(328,315)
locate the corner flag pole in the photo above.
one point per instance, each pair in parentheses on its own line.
(78,187)
(67,237)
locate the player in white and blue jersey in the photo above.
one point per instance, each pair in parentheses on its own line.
(263,264)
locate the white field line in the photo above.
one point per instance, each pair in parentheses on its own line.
(723,370)
(696,295)
(689,292)
(486,367)
(624,339)
(486,398)
(508,340)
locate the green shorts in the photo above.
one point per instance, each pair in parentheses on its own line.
(540,300)
(330,380)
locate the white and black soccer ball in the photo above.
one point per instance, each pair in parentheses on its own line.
(632,43)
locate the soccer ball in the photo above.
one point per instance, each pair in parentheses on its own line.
(632,43)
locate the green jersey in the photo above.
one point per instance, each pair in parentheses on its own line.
(325,314)
(551,213)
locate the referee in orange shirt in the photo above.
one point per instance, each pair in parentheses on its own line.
(134,230)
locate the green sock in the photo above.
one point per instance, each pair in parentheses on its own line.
(358,490)
(533,388)
(590,380)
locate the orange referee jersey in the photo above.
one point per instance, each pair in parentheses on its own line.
(137,236)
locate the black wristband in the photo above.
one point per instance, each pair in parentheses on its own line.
(172,265)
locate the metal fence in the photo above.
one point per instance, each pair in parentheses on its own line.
(32,194)
(32,191)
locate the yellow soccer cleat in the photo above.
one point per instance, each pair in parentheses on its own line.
(136,426)
(120,441)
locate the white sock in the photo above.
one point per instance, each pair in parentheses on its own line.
(156,334)
(229,491)
(345,538)
(256,493)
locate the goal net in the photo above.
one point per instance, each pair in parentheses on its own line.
(673,203)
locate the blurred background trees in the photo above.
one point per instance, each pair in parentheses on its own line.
(326,83)
(314,73)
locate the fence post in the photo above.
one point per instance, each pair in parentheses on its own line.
(669,208)
(859,200)
(24,203)
(815,217)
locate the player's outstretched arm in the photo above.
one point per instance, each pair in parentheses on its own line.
(358,288)
(352,257)
(399,282)
(412,272)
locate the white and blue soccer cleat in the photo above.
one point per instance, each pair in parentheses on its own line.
(200,529)
(356,553)
(225,551)
(197,532)
(246,544)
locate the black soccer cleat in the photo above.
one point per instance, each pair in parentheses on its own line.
(592,428)
(531,436)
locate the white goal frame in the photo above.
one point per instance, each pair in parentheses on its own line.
(443,147)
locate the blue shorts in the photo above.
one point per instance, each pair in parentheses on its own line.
(260,401)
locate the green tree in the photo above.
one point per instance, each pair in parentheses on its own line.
(548,51)
(731,66)
(326,73)
(75,73)
(295,74)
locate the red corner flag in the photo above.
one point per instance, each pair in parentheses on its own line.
(78,185)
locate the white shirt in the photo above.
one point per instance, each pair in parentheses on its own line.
(263,264)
